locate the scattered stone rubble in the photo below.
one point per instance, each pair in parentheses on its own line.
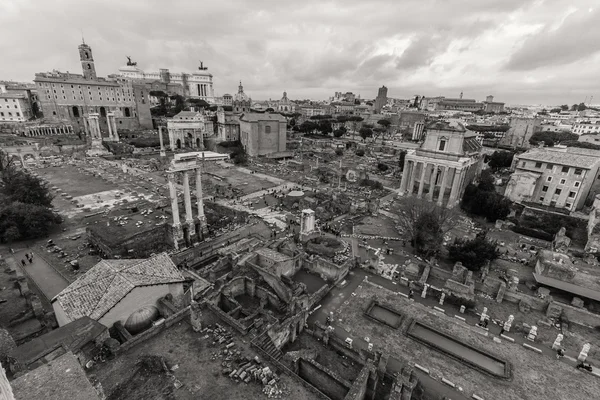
(240,368)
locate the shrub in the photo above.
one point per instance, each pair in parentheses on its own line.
(382,167)
(339,152)
(360,152)
(473,254)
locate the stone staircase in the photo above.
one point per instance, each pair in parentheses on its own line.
(265,343)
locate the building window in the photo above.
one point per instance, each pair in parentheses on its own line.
(542,198)
(572,194)
(523,164)
(267,129)
(578,171)
(545,188)
(10,114)
(18,114)
(558,191)
(577,184)
(442,145)
(562,181)
(549,179)
(538,165)
(549,166)
(1,114)
(565,170)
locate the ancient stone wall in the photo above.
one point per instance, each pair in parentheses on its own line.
(323,379)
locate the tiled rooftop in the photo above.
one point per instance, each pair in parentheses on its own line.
(253,117)
(62,378)
(109,281)
(560,158)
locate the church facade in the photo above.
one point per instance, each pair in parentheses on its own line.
(447,161)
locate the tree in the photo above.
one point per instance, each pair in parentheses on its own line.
(424,224)
(428,235)
(360,152)
(20,186)
(552,138)
(581,107)
(6,161)
(308,127)
(564,107)
(501,159)
(325,127)
(483,200)
(30,221)
(365,132)
(474,253)
(338,133)
(198,103)
(382,167)
(378,131)
(339,152)
(556,110)
(239,155)
(354,120)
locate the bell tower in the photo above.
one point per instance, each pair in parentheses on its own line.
(87,61)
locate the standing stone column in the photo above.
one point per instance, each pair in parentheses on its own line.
(199,193)
(456,181)
(432,179)
(108,122)
(189,218)
(114,128)
(405,177)
(411,181)
(422,181)
(160,137)
(173,195)
(443,186)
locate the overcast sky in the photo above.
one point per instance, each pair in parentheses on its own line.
(521,51)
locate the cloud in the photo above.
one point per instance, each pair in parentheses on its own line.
(577,37)
(315,47)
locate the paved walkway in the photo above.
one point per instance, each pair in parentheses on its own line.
(43,275)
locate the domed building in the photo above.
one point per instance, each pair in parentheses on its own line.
(241,101)
(285,105)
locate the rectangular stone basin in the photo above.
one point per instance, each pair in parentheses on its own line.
(455,348)
(384,314)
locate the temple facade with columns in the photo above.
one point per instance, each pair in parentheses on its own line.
(192,229)
(447,161)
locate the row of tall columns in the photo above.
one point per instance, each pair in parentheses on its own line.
(456,182)
(49,130)
(190,223)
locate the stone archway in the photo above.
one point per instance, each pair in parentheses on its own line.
(198,143)
(178,143)
(103,112)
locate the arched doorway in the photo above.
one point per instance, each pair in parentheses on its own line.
(75,112)
(103,112)
(178,143)
(127,112)
(198,142)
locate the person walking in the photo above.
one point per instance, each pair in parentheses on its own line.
(23,262)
